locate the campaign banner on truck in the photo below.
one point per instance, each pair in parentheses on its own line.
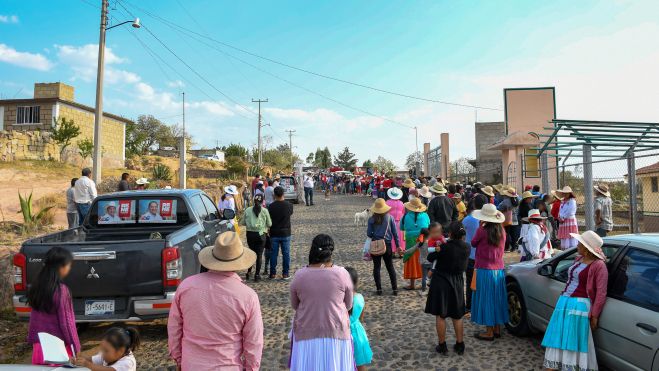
(157,211)
(116,212)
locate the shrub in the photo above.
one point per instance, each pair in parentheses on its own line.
(161,172)
(30,219)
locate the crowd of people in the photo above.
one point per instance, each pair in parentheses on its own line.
(451,237)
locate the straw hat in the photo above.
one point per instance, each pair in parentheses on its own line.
(231,189)
(415,205)
(592,242)
(603,189)
(142,181)
(438,188)
(489,213)
(488,191)
(534,214)
(498,187)
(528,194)
(510,192)
(380,207)
(561,193)
(227,254)
(424,191)
(553,193)
(408,183)
(395,193)
(457,196)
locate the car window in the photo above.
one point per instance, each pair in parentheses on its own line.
(198,207)
(213,212)
(637,279)
(565,262)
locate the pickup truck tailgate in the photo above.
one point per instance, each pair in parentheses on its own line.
(126,268)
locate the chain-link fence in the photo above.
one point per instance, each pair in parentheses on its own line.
(631,182)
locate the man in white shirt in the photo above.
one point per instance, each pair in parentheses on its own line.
(71,207)
(84,192)
(308,189)
(269,195)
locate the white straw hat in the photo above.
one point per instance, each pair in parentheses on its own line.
(592,242)
(231,189)
(395,193)
(489,213)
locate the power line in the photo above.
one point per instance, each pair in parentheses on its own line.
(188,66)
(317,74)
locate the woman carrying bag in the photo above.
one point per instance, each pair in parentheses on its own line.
(535,237)
(382,229)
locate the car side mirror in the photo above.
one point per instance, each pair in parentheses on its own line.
(228,214)
(546,270)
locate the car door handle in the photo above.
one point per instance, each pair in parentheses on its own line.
(647,327)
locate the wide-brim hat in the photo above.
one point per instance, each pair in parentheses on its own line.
(534,214)
(592,242)
(528,194)
(227,254)
(416,206)
(380,207)
(510,192)
(424,191)
(457,196)
(603,189)
(395,193)
(553,193)
(498,187)
(489,213)
(408,183)
(438,188)
(231,189)
(142,181)
(565,191)
(488,191)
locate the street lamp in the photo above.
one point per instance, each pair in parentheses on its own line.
(98,118)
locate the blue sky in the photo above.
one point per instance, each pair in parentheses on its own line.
(600,56)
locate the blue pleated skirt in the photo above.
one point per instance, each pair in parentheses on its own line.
(489,303)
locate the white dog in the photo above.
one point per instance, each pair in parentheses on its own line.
(361,217)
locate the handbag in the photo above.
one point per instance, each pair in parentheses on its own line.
(365,250)
(379,247)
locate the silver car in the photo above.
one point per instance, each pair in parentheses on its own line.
(627,337)
(290,189)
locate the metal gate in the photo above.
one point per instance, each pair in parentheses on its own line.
(434,162)
(511,175)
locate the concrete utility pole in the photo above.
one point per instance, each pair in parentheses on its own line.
(260,156)
(96,163)
(416,152)
(182,173)
(290,145)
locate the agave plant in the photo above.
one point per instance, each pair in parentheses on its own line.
(29,217)
(161,172)
(254,169)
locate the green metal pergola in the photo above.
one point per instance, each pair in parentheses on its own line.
(608,140)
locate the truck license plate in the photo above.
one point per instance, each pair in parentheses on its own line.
(99,307)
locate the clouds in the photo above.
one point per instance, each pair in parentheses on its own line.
(8,18)
(83,61)
(33,61)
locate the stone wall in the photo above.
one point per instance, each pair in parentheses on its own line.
(27,145)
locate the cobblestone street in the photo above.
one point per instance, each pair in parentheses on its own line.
(401,335)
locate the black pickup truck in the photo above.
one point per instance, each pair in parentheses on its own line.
(130,254)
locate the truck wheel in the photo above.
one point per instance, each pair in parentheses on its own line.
(518,324)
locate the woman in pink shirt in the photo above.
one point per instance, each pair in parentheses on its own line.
(489,301)
(321,295)
(569,336)
(52,307)
(397,212)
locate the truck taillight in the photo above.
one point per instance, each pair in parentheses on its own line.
(172,269)
(19,272)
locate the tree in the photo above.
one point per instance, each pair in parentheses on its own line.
(323,158)
(175,134)
(148,133)
(85,148)
(310,158)
(236,165)
(235,150)
(461,168)
(384,165)
(134,140)
(346,159)
(367,163)
(63,132)
(412,160)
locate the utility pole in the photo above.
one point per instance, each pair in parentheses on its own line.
(416,152)
(98,119)
(182,173)
(290,145)
(260,157)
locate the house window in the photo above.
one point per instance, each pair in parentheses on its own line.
(654,184)
(531,163)
(28,115)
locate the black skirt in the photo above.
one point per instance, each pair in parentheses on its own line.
(446,295)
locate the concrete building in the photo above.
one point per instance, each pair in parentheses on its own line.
(436,161)
(648,179)
(54,100)
(488,161)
